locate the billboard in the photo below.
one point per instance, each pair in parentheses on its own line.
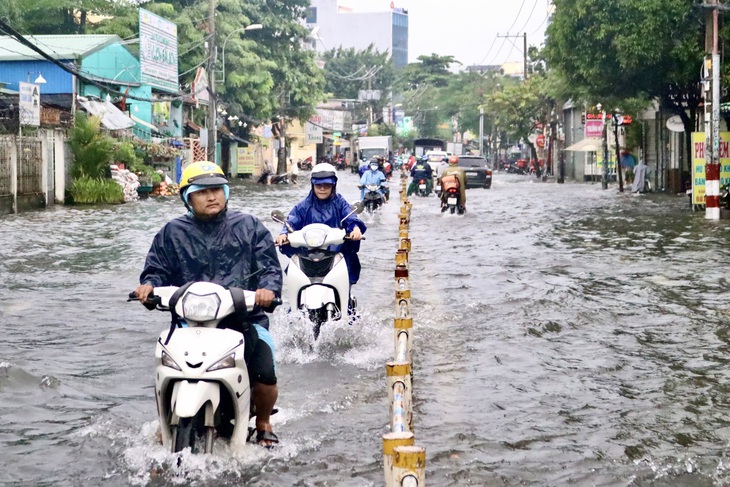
(158,51)
(30,104)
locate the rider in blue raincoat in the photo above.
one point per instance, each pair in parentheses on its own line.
(324,205)
(373,176)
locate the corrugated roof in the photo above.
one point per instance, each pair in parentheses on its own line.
(58,46)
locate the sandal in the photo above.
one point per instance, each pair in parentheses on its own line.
(266,436)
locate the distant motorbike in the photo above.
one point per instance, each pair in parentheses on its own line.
(422,188)
(306,164)
(450,195)
(372,200)
(201,379)
(317,281)
(271,178)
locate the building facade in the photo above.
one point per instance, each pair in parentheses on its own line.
(339,26)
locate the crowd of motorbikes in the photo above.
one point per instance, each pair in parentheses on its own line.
(202,384)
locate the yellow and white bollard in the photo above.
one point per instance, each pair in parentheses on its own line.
(409,466)
(405,244)
(403,338)
(401,258)
(399,395)
(390,442)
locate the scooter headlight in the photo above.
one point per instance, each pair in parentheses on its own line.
(315,237)
(227,362)
(201,308)
(167,361)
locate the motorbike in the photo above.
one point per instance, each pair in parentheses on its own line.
(306,164)
(201,379)
(422,188)
(372,200)
(318,282)
(450,195)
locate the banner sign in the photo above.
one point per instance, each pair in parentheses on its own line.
(594,129)
(246,159)
(30,104)
(314,133)
(698,164)
(157,51)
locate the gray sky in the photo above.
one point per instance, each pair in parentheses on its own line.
(468,29)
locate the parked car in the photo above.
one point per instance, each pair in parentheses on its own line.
(478,174)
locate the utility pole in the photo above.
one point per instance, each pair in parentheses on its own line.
(524,53)
(481,131)
(212,115)
(604,140)
(281,164)
(616,121)
(711,84)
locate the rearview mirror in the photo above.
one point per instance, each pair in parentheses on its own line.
(357,207)
(278,216)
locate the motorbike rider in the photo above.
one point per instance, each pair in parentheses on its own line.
(324,205)
(375,176)
(453,171)
(422,170)
(230,248)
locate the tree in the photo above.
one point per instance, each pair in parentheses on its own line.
(520,109)
(611,50)
(55,16)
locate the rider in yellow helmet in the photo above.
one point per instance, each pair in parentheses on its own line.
(229,248)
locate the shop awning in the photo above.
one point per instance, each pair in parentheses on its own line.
(589,144)
(144,124)
(111,117)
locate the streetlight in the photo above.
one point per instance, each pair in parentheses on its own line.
(242,29)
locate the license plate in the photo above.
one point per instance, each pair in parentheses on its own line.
(471,173)
(437,187)
(451,201)
(421,186)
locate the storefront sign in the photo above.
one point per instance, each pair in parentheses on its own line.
(594,129)
(314,133)
(698,164)
(246,159)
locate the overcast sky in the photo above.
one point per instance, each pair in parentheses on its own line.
(468,29)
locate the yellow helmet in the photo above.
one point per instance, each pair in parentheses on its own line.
(201,173)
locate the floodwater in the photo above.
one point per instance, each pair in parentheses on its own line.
(564,335)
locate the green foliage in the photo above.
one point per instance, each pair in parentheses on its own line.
(125,153)
(610,50)
(91,148)
(88,191)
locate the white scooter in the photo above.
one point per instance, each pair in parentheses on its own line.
(201,380)
(317,281)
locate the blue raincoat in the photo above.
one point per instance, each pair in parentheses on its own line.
(330,212)
(373,177)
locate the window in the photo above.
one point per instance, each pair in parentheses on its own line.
(312,15)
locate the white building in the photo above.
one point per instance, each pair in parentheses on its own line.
(340,26)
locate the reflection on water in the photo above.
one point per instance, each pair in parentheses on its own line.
(564,335)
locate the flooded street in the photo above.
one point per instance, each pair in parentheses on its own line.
(564,335)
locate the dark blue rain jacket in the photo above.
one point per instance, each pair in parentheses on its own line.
(234,250)
(330,212)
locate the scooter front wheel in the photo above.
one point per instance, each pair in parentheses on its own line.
(191,432)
